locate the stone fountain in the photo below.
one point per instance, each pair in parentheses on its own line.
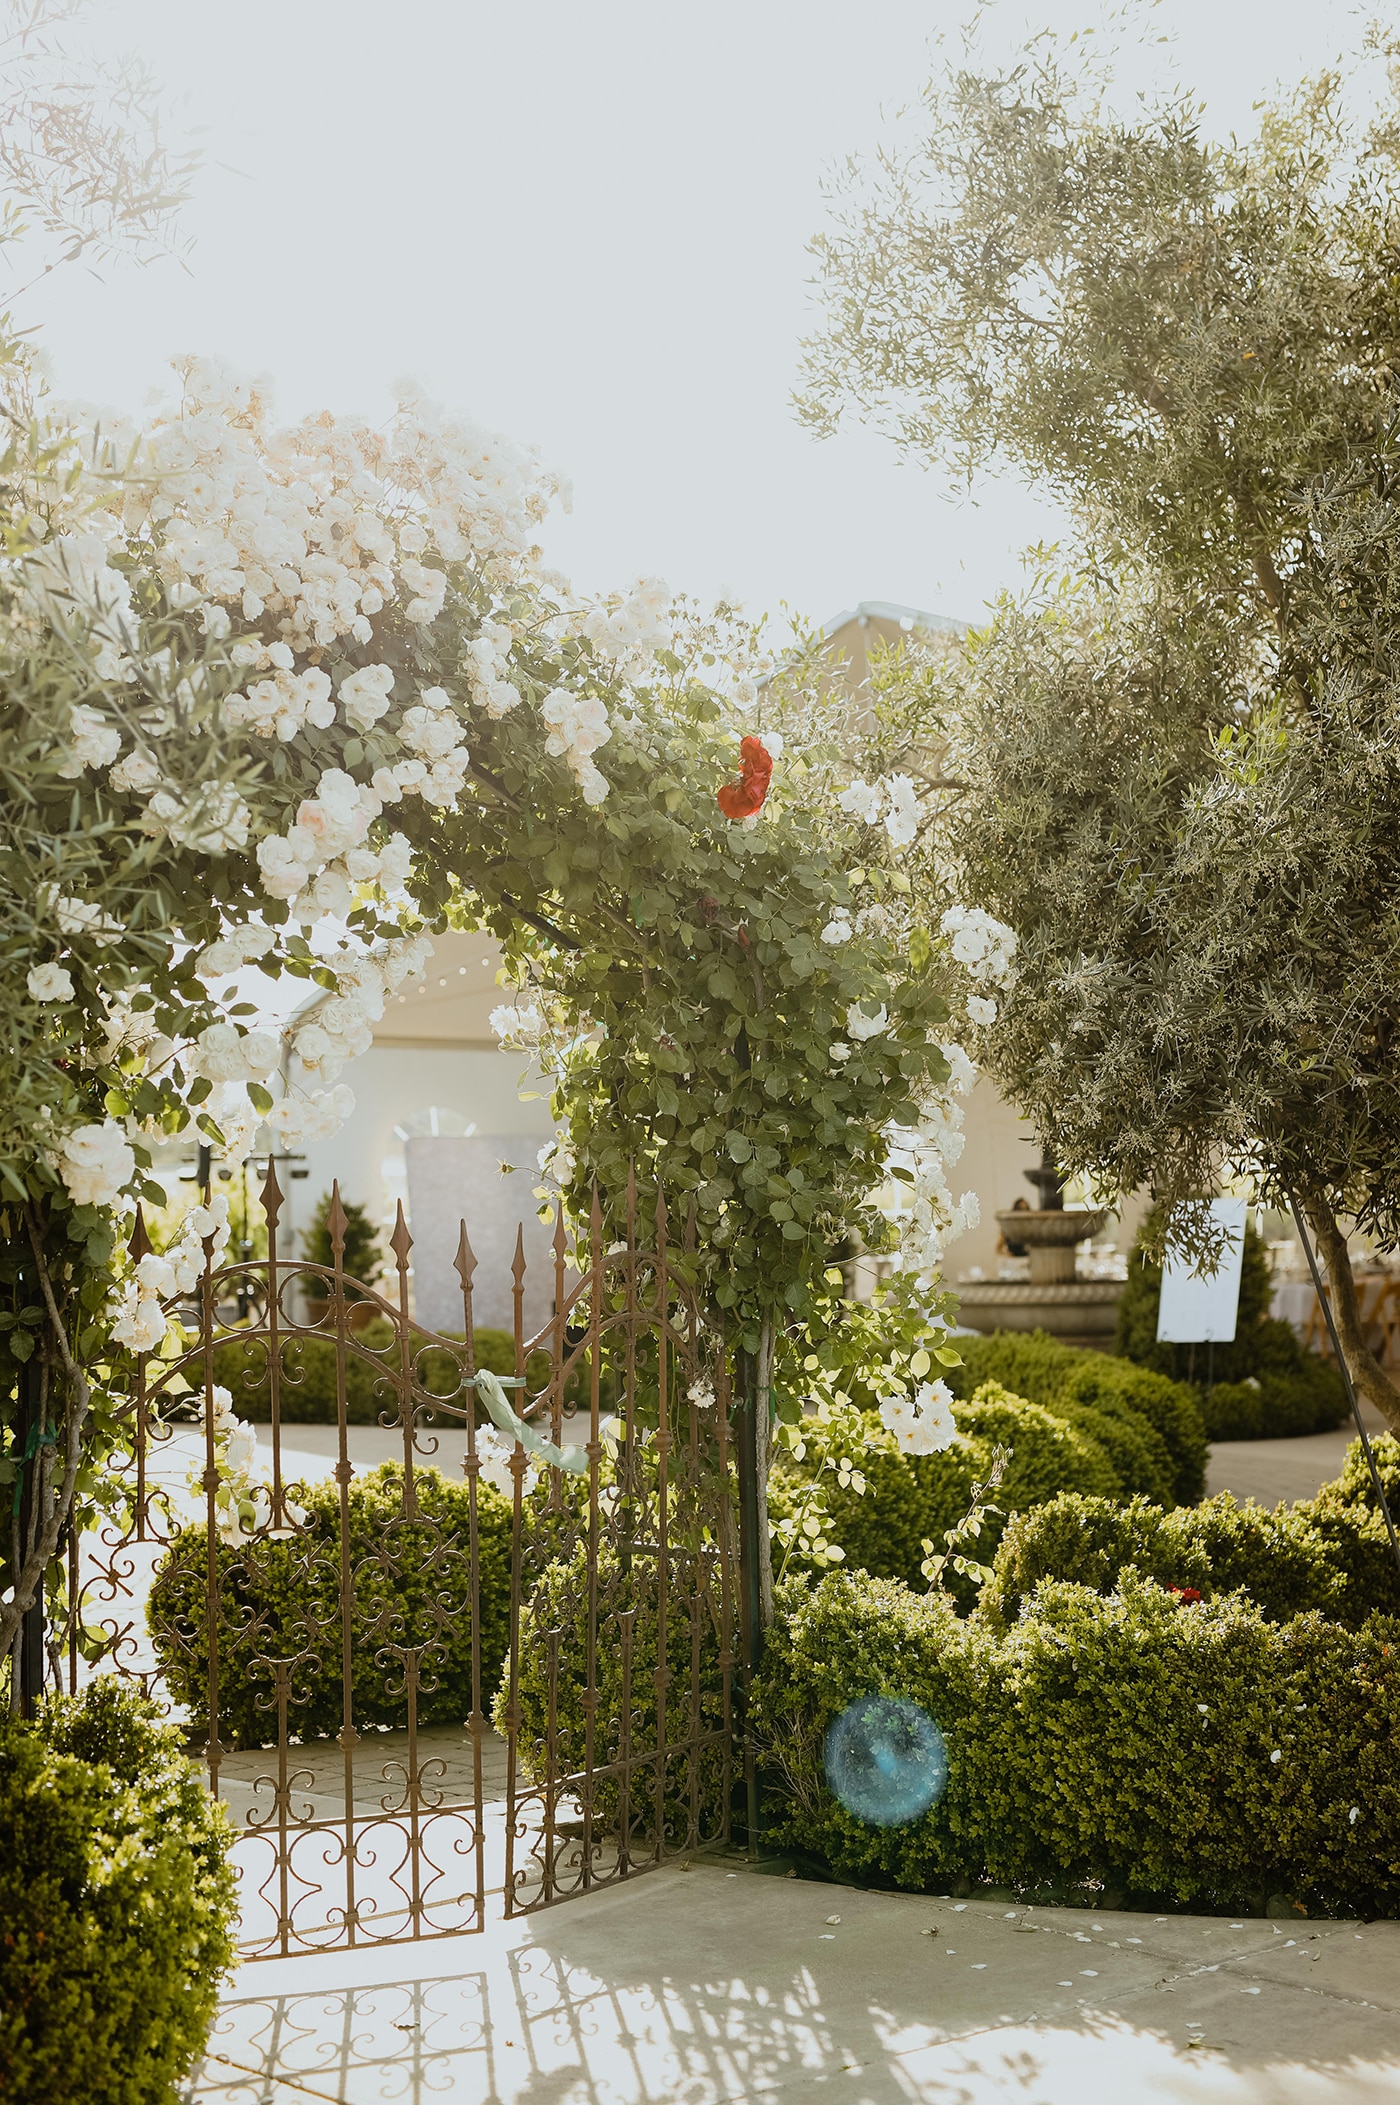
(1076,1311)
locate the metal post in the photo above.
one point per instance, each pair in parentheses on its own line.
(29,1645)
(751,1520)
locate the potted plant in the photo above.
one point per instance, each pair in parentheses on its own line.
(362,1261)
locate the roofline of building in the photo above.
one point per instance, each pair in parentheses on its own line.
(909,618)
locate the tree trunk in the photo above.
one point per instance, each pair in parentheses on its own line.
(51,1502)
(1369,1377)
(764,1443)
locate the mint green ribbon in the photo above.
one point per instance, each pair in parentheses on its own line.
(39,1436)
(489,1389)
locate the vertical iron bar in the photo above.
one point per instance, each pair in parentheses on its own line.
(726,1578)
(595,1450)
(344,1471)
(213,1597)
(663,1544)
(750,1579)
(476,1723)
(29,1427)
(517,1471)
(272,1208)
(74,1598)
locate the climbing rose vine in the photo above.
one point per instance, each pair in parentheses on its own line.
(289,699)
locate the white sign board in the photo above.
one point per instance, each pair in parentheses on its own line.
(1198,1308)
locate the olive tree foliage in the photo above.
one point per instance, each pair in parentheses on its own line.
(85,171)
(1176,764)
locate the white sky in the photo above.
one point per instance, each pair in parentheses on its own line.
(584,222)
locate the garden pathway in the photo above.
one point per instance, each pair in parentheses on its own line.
(713,1986)
(1270,1470)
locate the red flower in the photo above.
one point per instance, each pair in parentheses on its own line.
(1187,1595)
(739,800)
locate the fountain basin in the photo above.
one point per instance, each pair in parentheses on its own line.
(1075,1311)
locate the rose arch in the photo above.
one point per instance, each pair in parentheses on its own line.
(297,697)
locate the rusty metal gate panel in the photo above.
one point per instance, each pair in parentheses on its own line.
(428,1696)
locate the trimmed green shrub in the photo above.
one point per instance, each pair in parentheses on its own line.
(1192,1751)
(1134,1447)
(117,1903)
(910,1497)
(307,1389)
(558,1722)
(307,1393)
(1354,1487)
(1347,1516)
(280,1600)
(1166,1414)
(1278,1559)
(362,1254)
(1265,1385)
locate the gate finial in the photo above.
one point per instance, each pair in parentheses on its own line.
(401,1242)
(464,1263)
(272,1193)
(140,1243)
(337,1222)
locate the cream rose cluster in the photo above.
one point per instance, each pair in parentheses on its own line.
(919,1203)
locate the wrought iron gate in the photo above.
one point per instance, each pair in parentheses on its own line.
(417,1687)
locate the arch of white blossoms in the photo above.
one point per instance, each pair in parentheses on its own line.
(264,685)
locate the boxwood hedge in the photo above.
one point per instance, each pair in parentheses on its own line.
(1059,1377)
(117,1902)
(1280,1559)
(307,1387)
(280,1600)
(1131,1742)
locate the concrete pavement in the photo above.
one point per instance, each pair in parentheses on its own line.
(715,1985)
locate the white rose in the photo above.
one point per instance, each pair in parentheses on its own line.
(155,1275)
(138,772)
(93,742)
(141,1326)
(364,696)
(862,1026)
(50,983)
(862,800)
(95,1162)
(225,1054)
(902,818)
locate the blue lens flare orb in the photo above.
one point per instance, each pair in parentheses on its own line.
(885,1760)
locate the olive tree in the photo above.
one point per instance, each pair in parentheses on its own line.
(1175,766)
